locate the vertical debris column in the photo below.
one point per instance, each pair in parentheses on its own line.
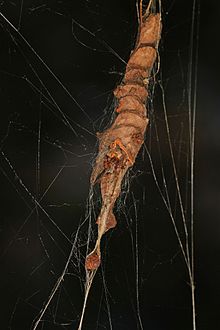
(121,142)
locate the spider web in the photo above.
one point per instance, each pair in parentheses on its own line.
(60,64)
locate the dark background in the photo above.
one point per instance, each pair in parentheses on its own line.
(33,250)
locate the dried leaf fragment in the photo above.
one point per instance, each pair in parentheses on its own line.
(121,142)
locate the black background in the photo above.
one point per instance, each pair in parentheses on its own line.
(31,259)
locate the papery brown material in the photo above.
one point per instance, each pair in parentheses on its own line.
(121,142)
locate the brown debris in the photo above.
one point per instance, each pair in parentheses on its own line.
(120,143)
